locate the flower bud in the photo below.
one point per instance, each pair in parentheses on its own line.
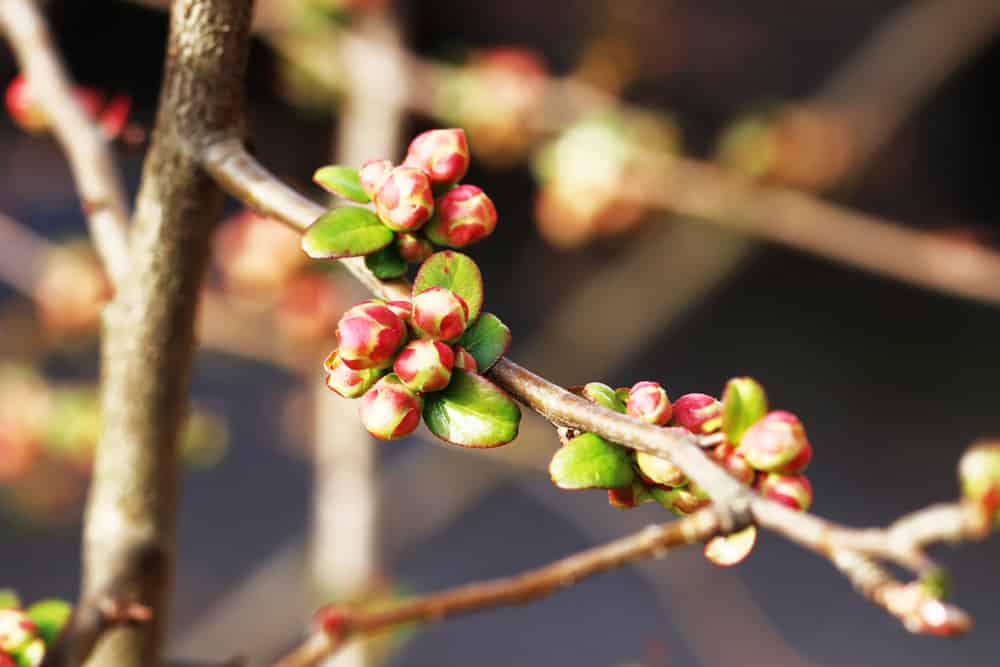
(16,630)
(734,463)
(23,108)
(372,174)
(442,154)
(698,413)
(732,549)
(656,470)
(6,660)
(404,201)
(346,381)
(369,335)
(425,365)
(648,402)
(979,473)
(413,248)
(800,462)
(603,395)
(627,497)
(440,314)
(464,360)
(795,491)
(681,501)
(462,217)
(389,410)
(32,654)
(402,308)
(773,442)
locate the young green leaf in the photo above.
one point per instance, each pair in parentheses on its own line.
(588,461)
(348,231)
(743,403)
(603,395)
(342,181)
(49,616)
(472,412)
(456,272)
(386,263)
(486,340)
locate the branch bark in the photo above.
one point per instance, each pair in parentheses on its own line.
(148,340)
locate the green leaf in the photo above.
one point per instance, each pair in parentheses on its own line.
(472,412)
(342,181)
(50,616)
(486,340)
(456,272)
(743,403)
(603,395)
(9,599)
(588,461)
(386,263)
(348,231)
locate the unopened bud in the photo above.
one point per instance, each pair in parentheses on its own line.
(16,630)
(656,470)
(648,402)
(22,106)
(979,473)
(369,335)
(734,463)
(464,360)
(413,248)
(390,410)
(627,497)
(603,395)
(732,549)
(442,154)
(372,174)
(681,501)
(462,216)
(425,365)
(402,308)
(440,314)
(404,201)
(698,413)
(346,381)
(794,491)
(774,441)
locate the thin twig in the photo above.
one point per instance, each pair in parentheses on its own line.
(97,180)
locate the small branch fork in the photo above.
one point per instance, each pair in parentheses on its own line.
(89,622)
(854,552)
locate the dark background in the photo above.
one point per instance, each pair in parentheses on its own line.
(891,381)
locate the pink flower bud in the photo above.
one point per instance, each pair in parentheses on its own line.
(372,174)
(655,470)
(795,491)
(413,248)
(404,201)
(22,106)
(402,308)
(648,402)
(16,630)
(346,381)
(440,314)
(734,463)
(464,360)
(369,335)
(698,413)
(425,365)
(774,442)
(463,216)
(800,462)
(389,410)
(442,154)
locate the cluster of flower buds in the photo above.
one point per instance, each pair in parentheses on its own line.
(588,176)
(392,355)
(419,203)
(111,115)
(766,450)
(497,96)
(25,633)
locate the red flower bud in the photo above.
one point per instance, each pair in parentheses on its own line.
(774,442)
(648,402)
(795,491)
(698,413)
(372,174)
(369,335)
(332,620)
(412,248)
(800,462)
(464,360)
(442,154)
(346,381)
(734,463)
(440,314)
(425,365)
(23,108)
(404,201)
(6,660)
(389,410)
(16,630)
(462,217)
(402,308)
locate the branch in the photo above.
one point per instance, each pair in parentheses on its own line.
(86,148)
(523,588)
(90,620)
(734,506)
(148,340)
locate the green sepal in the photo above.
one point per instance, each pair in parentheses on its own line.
(743,404)
(471,412)
(386,263)
(588,461)
(50,617)
(486,340)
(603,395)
(342,181)
(347,231)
